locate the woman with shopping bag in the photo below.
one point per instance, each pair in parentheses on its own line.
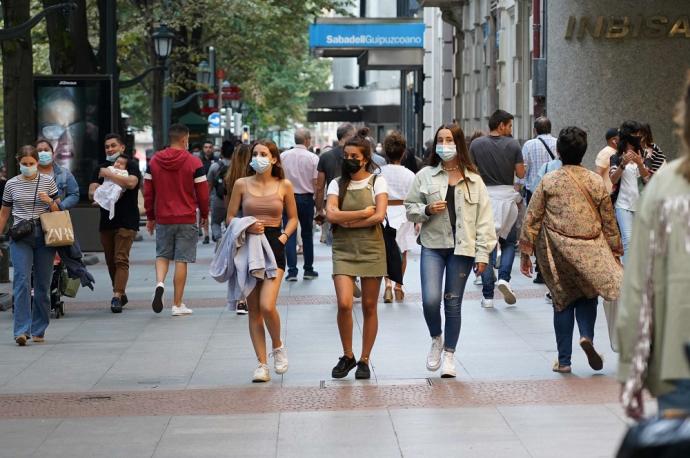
(26,197)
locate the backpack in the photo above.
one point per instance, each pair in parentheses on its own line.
(219,183)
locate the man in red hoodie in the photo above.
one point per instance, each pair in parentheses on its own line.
(174,187)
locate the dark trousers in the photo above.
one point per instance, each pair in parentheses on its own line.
(305,214)
(585,312)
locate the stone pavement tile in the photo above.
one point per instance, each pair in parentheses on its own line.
(232,370)
(337,434)
(214,436)
(20,438)
(475,432)
(105,437)
(566,431)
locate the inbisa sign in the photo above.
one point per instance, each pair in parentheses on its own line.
(617,27)
(371,35)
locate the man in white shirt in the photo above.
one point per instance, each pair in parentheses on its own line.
(537,152)
(300,166)
(603,160)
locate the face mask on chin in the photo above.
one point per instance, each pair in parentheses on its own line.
(112,157)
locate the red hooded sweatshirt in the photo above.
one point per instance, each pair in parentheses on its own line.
(174,186)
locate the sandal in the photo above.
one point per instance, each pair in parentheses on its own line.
(388,295)
(399,294)
(561,369)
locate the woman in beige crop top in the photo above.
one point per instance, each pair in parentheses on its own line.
(264,194)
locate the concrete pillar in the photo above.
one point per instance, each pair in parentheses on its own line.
(627,62)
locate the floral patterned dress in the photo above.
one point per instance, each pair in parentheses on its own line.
(574,245)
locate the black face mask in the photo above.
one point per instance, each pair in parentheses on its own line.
(351,166)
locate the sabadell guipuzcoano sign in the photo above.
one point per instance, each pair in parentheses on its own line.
(384,35)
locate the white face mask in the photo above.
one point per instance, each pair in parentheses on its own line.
(260,164)
(446,152)
(379,149)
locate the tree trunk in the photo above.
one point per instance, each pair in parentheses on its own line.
(68,37)
(17,74)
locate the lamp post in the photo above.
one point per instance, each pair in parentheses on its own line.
(163,43)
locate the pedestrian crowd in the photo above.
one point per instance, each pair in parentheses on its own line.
(473,206)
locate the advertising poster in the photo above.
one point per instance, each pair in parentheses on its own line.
(73,114)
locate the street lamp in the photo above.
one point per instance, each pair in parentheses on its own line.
(203,73)
(162,41)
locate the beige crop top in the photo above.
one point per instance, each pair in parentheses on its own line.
(267,209)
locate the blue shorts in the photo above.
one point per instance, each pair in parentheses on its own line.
(177,242)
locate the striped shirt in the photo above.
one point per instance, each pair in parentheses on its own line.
(19,196)
(654,158)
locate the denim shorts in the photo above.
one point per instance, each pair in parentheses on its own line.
(177,242)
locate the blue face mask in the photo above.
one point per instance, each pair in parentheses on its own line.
(446,152)
(28,171)
(260,164)
(112,158)
(45,157)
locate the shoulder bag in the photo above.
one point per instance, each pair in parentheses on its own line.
(548,150)
(393,255)
(25,228)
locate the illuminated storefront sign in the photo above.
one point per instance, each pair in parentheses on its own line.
(615,27)
(370,35)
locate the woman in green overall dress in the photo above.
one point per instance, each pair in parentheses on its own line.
(356,206)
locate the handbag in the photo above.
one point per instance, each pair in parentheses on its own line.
(57,229)
(393,255)
(24,227)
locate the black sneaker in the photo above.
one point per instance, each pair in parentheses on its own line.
(123,300)
(157,303)
(538,279)
(344,366)
(116,305)
(362,372)
(291,277)
(311,274)
(206,240)
(241,308)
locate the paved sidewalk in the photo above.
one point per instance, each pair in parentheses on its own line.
(141,384)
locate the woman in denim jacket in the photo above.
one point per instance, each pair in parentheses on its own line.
(68,189)
(450,201)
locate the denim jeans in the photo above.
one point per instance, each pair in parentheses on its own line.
(28,253)
(678,399)
(508,247)
(585,311)
(625,224)
(457,268)
(305,214)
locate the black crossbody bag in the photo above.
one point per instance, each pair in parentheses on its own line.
(25,227)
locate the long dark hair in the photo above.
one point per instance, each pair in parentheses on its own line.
(277,169)
(361,142)
(626,137)
(460,145)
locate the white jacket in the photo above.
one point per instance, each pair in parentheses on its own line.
(504,203)
(242,259)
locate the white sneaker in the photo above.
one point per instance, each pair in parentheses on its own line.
(508,294)
(181,310)
(433,359)
(478,280)
(261,374)
(448,365)
(487,303)
(280,360)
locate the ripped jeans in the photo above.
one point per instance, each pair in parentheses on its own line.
(457,268)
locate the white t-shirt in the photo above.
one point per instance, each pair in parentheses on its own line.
(629,192)
(399,180)
(380,186)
